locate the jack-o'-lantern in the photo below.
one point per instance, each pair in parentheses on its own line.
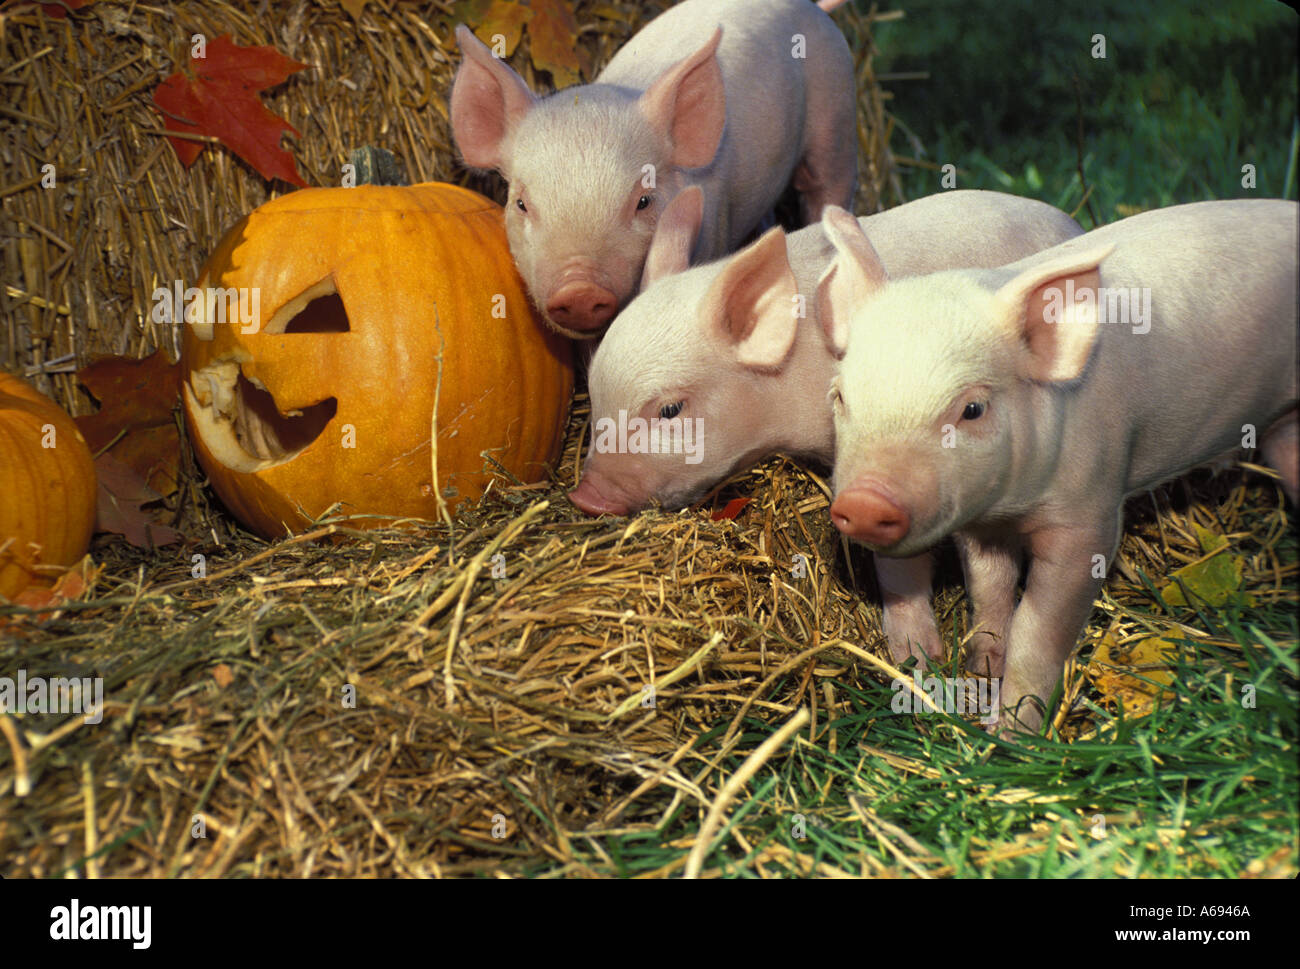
(334,333)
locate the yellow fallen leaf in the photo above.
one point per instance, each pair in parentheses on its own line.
(607,12)
(553,36)
(1215,580)
(1136,673)
(504,19)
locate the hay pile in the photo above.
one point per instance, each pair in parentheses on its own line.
(378,702)
(360,703)
(478,701)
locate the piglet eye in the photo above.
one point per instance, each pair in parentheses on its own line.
(669,411)
(643,203)
(521,206)
(973,411)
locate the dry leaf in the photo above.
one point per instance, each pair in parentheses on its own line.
(553,41)
(120,509)
(505,18)
(60,10)
(1215,580)
(71,585)
(135,420)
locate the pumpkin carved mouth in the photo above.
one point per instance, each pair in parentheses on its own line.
(238,417)
(240,422)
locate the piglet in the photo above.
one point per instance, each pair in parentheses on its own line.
(730,358)
(1016,408)
(738,97)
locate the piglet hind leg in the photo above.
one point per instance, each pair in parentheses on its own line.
(1067,565)
(1281,447)
(826,175)
(992,571)
(827,171)
(908,617)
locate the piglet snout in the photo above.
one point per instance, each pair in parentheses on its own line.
(864,512)
(591,500)
(581,305)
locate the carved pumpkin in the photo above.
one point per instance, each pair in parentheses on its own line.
(47,489)
(350,298)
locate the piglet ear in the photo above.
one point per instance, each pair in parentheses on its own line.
(751,305)
(854,275)
(674,238)
(488,100)
(687,105)
(1051,309)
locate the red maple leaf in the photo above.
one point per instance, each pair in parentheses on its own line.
(217,95)
(60,10)
(734,507)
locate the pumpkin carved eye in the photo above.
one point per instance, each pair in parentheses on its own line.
(669,411)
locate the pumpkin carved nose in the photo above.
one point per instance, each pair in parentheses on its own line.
(582,306)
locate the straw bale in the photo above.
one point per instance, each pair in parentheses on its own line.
(80,262)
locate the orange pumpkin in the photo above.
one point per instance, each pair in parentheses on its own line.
(350,298)
(47,488)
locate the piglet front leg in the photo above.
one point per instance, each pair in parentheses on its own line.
(991,565)
(1065,576)
(908,617)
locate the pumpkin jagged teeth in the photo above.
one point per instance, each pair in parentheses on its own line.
(215,387)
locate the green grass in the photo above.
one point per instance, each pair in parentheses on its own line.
(1187,94)
(1203,786)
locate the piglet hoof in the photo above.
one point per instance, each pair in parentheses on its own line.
(987,656)
(912,632)
(1023,715)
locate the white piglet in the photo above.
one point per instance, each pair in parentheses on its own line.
(729,358)
(739,97)
(1016,408)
